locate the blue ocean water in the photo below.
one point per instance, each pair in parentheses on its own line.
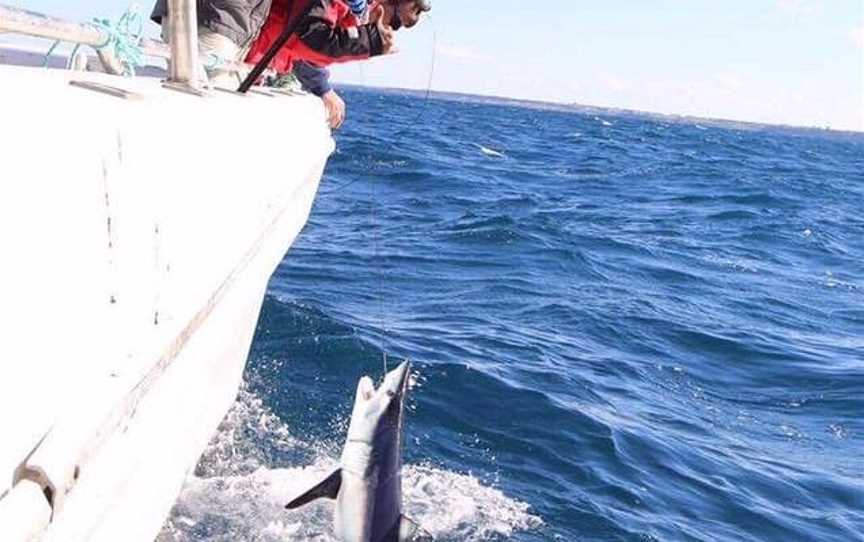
(623,328)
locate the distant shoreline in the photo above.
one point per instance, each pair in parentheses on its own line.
(600,110)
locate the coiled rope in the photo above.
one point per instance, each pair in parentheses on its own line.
(122,40)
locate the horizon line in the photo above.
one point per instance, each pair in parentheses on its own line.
(640,112)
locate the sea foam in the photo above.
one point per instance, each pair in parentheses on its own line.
(235,495)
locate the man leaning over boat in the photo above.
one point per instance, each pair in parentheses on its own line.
(316,79)
(329,31)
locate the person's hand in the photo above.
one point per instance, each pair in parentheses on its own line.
(388,35)
(335,106)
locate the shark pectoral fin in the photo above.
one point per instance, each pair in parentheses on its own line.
(409,531)
(328,489)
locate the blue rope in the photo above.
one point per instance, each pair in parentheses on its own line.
(122,37)
(212,62)
(49,53)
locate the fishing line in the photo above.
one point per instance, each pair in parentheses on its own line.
(427,96)
(374,213)
(379,271)
(434,57)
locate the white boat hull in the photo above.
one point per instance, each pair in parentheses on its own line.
(139,234)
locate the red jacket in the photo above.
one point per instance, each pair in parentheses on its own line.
(328,34)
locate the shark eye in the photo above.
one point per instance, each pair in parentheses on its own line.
(390,393)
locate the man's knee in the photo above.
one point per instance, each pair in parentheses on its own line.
(211,43)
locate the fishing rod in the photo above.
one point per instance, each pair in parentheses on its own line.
(274,49)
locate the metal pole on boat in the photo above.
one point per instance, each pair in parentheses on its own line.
(21,21)
(184,67)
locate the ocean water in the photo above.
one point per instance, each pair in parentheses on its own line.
(623,328)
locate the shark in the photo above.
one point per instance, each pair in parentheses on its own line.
(367,485)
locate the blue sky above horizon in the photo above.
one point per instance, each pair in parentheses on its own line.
(795,62)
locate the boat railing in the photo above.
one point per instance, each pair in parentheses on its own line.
(183,30)
(185,63)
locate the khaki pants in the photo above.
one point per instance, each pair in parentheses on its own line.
(211,43)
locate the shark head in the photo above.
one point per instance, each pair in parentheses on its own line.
(368,487)
(377,413)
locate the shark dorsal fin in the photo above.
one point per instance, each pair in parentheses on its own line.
(328,489)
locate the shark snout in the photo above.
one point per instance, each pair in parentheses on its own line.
(396,381)
(379,409)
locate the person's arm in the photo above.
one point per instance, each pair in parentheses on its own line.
(317,81)
(322,41)
(313,79)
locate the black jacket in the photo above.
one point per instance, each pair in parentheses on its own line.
(237,20)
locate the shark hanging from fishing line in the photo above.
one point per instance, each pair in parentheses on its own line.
(367,486)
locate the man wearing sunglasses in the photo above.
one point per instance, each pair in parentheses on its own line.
(328,31)
(317,79)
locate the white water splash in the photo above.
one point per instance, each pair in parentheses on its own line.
(455,506)
(238,497)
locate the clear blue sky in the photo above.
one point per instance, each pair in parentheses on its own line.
(779,61)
